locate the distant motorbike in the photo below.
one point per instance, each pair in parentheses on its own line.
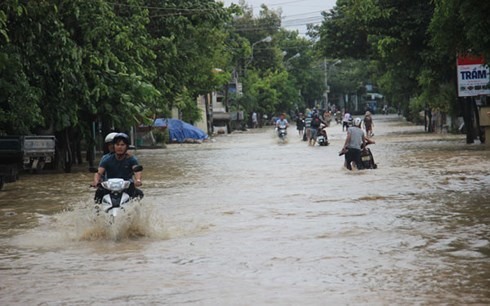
(118,199)
(282,133)
(322,138)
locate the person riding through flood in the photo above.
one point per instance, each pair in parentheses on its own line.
(354,142)
(316,122)
(109,146)
(120,164)
(282,122)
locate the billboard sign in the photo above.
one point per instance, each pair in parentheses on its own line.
(473,76)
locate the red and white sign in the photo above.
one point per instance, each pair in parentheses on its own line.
(473,76)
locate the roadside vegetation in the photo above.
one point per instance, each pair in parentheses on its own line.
(72,67)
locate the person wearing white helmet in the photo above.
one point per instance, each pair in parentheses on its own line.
(109,137)
(353,143)
(108,145)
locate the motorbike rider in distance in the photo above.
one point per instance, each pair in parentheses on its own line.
(282,122)
(354,142)
(316,122)
(118,165)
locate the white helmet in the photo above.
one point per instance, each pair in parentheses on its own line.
(357,122)
(109,137)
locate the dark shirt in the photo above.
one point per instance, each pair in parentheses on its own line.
(316,122)
(300,123)
(115,168)
(368,121)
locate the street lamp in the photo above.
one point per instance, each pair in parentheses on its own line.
(327,90)
(266,39)
(294,56)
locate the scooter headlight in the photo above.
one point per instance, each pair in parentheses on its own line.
(116,184)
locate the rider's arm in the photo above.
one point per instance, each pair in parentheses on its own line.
(98,176)
(347,140)
(137,175)
(137,179)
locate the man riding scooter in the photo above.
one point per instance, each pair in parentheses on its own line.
(118,165)
(281,126)
(316,122)
(322,137)
(354,142)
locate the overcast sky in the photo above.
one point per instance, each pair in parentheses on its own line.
(295,13)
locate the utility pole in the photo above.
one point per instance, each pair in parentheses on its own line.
(326,82)
(327,89)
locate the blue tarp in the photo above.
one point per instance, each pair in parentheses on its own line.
(179,130)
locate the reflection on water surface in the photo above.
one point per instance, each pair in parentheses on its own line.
(244,220)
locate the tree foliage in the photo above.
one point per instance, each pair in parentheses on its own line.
(64,64)
(413,43)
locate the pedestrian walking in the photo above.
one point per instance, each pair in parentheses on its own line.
(345,121)
(307,136)
(300,124)
(368,124)
(255,122)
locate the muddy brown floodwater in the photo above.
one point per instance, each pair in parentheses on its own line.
(244,220)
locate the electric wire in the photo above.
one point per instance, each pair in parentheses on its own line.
(286,21)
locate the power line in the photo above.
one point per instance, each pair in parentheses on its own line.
(289,2)
(176,11)
(161,8)
(302,14)
(300,20)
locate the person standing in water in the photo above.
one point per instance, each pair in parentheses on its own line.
(300,124)
(354,142)
(368,124)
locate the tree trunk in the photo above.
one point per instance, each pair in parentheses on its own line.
(467,117)
(479,130)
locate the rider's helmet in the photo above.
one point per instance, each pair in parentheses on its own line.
(110,137)
(357,122)
(121,136)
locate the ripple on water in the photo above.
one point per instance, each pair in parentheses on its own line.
(247,221)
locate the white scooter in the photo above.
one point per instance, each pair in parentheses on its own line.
(282,133)
(117,200)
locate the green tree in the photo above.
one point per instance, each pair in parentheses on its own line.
(392,32)
(189,43)
(305,73)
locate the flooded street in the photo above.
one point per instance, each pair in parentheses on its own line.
(244,220)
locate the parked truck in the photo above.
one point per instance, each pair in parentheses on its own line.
(19,153)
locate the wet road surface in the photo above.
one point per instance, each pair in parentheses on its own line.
(244,220)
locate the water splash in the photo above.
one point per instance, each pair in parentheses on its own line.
(80,222)
(140,219)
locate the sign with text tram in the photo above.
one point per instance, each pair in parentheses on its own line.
(473,76)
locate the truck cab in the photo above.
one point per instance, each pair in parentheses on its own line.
(24,153)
